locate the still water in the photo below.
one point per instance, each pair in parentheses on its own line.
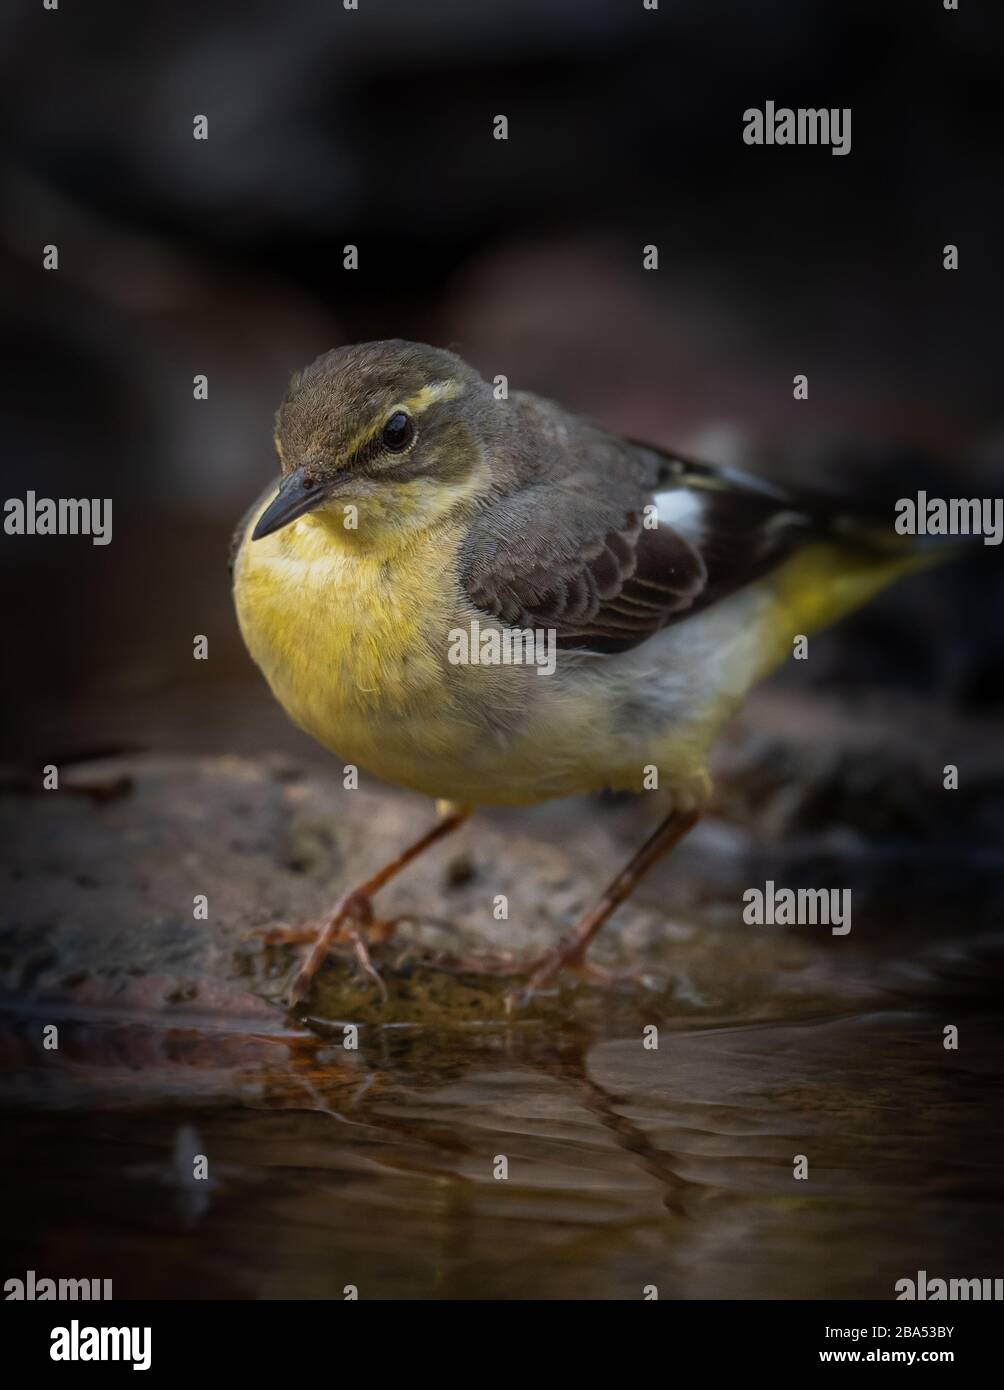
(625,1166)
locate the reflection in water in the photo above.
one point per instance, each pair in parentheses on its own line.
(186,1174)
(626,1166)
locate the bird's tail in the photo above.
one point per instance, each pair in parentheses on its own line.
(828,579)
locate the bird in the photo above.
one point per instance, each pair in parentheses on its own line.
(418,505)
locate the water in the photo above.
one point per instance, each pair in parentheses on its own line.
(626,1167)
(381,1168)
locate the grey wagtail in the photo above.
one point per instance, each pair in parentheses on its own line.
(416,509)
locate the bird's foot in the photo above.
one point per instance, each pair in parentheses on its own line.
(353,915)
(569,954)
(279,934)
(353,922)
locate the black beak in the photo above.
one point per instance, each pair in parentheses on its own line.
(298,494)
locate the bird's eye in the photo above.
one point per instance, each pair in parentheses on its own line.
(398,432)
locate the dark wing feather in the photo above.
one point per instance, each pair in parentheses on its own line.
(575,555)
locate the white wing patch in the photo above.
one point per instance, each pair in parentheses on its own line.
(683,510)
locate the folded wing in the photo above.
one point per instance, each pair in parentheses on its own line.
(609,557)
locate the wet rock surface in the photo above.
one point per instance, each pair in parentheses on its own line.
(161,883)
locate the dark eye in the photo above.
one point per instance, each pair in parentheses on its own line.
(398,432)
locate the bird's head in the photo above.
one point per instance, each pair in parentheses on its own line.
(379,438)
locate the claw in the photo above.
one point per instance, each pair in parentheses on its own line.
(570,952)
(565,956)
(352,911)
(366,964)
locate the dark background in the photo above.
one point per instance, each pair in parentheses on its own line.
(374,127)
(224,257)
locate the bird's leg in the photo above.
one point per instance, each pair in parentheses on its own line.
(354,909)
(571,950)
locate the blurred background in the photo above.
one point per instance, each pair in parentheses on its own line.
(374,127)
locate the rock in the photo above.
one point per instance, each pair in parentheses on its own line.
(103,892)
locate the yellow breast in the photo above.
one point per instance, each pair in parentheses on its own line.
(352,642)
